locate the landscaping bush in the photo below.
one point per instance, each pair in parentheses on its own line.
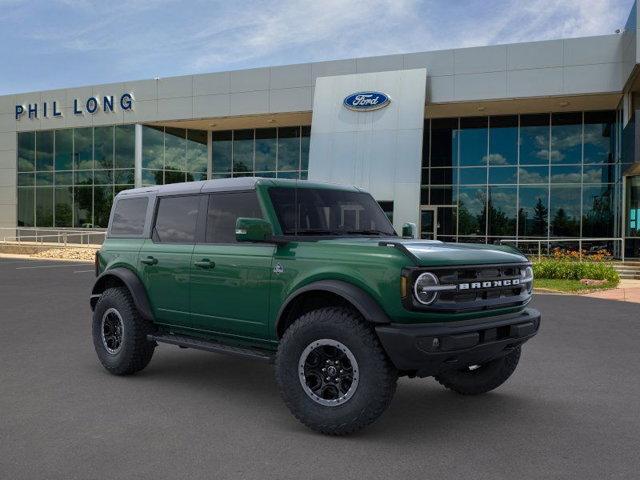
(575,270)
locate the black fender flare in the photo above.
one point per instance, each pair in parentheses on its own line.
(361,300)
(133,284)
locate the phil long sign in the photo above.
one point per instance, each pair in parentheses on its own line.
(91,105)
(366,101)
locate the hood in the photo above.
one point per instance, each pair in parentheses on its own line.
(431,253)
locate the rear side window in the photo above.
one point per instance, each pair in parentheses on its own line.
(129,216)
(176,219)
(224,209)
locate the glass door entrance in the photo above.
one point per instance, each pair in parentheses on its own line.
(428,222)
(438,222)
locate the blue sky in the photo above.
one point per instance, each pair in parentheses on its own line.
(47,44)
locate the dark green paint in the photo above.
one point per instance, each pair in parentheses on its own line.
(235,292)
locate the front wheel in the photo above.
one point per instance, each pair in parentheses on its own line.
(478,379)
(332,372)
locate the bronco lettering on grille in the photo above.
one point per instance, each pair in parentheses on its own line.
(509,282)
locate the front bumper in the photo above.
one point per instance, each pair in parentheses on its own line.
(427,349)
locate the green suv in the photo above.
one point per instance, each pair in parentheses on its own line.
(313,278)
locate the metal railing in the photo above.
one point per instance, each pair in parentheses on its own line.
(545,247)
(52,236)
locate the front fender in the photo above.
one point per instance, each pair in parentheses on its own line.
(361,300)
(131,281)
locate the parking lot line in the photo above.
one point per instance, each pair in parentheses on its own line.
(84,271)
(52,266)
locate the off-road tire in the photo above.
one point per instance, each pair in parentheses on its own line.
(482,380)
(377,376)
(136,351)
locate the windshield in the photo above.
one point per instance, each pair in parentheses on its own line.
(318,211)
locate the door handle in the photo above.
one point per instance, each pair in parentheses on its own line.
(149,260)
(204,263)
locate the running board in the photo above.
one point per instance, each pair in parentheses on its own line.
(211,346)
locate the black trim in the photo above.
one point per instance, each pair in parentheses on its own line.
(426,349)
(361,300)
(213,346)
(133,284)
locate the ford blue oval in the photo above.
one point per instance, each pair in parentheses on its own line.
(366,101)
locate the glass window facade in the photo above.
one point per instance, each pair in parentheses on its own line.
(536,176)
(68,177)
(172,155)
(281,152)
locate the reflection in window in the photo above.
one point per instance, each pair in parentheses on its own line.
(534,139)
(242,151)
(222,150)
(503,140)
(533,211)
(471,211)
(599,140)
(266,147)
(473,176)
(566,138)
(83,148)
(566,174)
(501,211)
(473,141)
(103,147)
(534,175)
(63,159)
(75,179)
(564,214)
(597,211)
(44,150)
(26,151)
(288,148)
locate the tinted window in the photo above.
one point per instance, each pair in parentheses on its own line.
(176,219)
(328,212)
(128,216)
(224,209)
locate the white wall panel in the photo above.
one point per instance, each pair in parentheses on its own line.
(376,150)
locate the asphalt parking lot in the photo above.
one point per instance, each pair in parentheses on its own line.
(571,410)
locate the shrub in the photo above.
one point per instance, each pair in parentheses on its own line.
(575,270)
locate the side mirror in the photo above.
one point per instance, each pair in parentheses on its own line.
(409,230)
(253,230)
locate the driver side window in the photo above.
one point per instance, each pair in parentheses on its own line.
(223,211)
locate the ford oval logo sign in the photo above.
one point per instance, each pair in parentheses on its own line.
(366,101)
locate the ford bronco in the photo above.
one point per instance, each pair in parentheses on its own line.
(313,278)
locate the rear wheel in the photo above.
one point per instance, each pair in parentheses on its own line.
(477,379)
(332,372)
(120,333)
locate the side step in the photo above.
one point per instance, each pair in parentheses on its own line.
(211,346)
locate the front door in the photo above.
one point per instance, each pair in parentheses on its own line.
(165,259)
(428,222)
(230,281)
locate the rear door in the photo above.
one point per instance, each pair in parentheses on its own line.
(230,281)
(165,258)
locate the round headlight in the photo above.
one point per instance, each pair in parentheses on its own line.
(423,288)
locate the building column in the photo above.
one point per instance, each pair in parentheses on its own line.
(138,156)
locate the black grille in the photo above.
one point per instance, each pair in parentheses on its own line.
(476,299)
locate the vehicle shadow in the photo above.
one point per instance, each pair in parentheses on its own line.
(421,407)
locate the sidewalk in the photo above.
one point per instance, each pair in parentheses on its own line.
(627,291)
